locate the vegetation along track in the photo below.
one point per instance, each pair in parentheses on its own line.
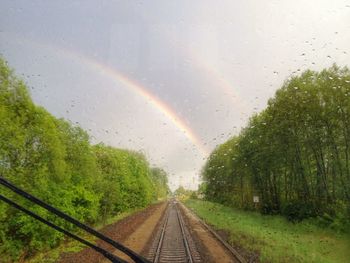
(173,242)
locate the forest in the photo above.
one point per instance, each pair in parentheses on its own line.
(55,161)
(294,155)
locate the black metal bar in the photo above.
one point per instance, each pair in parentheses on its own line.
(137,258)
(105,253)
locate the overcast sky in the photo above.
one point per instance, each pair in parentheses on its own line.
(169,78)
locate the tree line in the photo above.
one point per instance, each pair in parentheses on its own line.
(294,155)
(54,160)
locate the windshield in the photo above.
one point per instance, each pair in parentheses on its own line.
(232,104)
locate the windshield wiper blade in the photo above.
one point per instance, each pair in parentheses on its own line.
(105,253)
(133,255)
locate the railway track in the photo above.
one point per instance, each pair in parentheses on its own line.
(173,242)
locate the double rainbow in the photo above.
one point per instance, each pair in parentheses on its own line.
(119,78)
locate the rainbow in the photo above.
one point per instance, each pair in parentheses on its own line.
(214,74)
(120,78)
(221,82)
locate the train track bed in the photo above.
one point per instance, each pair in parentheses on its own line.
(182,237)
(173,242)
(216,249)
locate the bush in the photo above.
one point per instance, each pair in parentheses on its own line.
(296,211)
(337,218)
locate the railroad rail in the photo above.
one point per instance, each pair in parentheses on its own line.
(173,242)
(238,257)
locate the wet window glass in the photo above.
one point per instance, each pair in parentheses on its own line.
(186,131)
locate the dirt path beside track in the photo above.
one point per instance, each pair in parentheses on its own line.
(133,231)
(139,240)
(210,248)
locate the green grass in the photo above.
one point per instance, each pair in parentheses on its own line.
(276,239)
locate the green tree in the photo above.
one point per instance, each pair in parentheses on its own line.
(294,154)
(54,160)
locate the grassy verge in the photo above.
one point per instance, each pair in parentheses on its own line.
(72,246)
(276,239)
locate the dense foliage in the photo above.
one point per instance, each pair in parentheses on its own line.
(160,179)
(183,194)
(54,161)
(294,155)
